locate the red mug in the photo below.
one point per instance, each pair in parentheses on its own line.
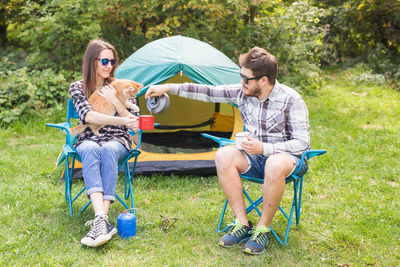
(146,122)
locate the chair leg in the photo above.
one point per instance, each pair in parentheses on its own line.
(295,208)
(68,173)
(132,174)
(87,205)
(299,201)
(253,205)
(128,184)
(122,202)
(222,216)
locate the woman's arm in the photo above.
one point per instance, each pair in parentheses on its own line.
(130,121)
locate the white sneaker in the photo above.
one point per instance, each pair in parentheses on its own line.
(100,232)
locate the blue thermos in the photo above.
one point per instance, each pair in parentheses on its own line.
(126,224)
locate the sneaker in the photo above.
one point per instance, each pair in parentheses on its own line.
(259,239)
(238,233)
(100,232)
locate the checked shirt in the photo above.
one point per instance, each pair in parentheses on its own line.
(280,121)
(108,132)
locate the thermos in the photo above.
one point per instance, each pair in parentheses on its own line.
(158,104)
(126,224)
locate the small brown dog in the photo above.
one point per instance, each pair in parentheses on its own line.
(125,89)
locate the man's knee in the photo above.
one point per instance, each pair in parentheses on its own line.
(230,157)
(278,165)
(223,157)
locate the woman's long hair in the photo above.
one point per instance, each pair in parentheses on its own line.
(89,65)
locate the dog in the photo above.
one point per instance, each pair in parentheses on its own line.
(125,89)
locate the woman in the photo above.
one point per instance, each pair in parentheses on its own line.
(100,154)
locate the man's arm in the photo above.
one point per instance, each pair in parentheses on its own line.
(206,93)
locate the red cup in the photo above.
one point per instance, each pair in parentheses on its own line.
(146,122)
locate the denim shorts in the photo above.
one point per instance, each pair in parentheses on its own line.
(257,165)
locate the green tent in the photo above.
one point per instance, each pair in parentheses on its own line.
(177,145)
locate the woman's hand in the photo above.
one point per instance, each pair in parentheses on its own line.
(132,122)
(109,93)
(156,90)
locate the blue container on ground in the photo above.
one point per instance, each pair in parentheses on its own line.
(126,224)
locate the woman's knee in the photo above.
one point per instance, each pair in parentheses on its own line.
(89,148)
(113,150)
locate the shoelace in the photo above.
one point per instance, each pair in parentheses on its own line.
(98,225)
(257,232)
(238,229)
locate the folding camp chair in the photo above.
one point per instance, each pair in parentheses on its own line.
(69,155)
(297,191)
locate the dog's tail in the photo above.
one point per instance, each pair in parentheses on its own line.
(77,129)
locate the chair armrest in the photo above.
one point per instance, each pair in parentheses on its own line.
(306,156)
(64,127)
(61,126)
(139,132)
(220,140)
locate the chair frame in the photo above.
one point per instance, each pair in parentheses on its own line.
(297,191)
(69,155)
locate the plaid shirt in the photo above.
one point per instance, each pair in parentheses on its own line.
(108,132)
(280,121)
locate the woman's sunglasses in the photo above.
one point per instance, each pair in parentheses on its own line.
(246,79)
(104,61)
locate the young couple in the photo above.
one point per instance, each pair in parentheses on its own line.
(275,115)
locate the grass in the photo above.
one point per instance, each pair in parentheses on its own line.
(350,208)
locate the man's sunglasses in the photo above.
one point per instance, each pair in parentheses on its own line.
(104,61)
(246,79)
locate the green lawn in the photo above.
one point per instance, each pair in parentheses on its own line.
(350,208)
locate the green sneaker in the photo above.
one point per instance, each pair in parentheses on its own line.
(259,239)
(238,233)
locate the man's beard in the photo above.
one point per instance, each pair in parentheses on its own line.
(256,92)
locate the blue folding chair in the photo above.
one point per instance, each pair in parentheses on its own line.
(69,155)
(297,191)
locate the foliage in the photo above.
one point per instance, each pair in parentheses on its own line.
(302,34)
(292,34)
(231,26)
(27,93)
(365,29)
(57,32)
(131,24)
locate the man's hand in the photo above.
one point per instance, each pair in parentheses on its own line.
(156,90)
(252,146)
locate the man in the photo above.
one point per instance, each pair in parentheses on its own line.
(277,119)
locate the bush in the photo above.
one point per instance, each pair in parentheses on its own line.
(24,93)
(293,34)
(56,33)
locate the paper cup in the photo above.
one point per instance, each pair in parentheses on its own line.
(146,122)
(239,137)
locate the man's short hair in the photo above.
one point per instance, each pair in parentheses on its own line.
(260,62)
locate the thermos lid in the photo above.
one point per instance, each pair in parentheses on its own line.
(158,104)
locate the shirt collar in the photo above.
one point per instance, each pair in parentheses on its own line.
(273,96)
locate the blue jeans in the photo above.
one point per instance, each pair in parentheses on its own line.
(100,166)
